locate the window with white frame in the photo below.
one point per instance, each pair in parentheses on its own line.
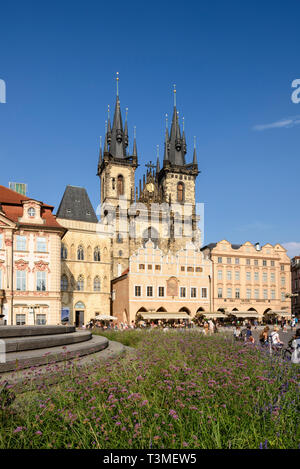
(282,296)
(219,260)
(21,243)
(41,319)
(193,292)
(64,283)
(21,280)
(220,293)
(237,293)
(237,275)
(149,291)
(256,293)
(255,262)
(228,260)
(229,275)
(182,292)
(272,276)
(220,274)
(272,263)
(229,292)
(248,293)
(265,293)
(248,261)
(282,281)
(272,294)
(265,277)
(256,276)
(282,267)
(237,260)
(137,290)
(41,245)
(264,262)
(248,276)
(20,319)
(161,291)
(204,292)
(41,281)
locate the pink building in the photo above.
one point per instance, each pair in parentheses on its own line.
(30,266)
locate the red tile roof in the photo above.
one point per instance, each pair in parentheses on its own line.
(11,203)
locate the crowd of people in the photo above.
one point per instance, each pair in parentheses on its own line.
(270,338)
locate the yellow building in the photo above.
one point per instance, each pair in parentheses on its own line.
(250,281)
(86,259)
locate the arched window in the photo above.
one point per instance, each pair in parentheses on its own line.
(97,257)
(80,283)
(97,283)
(64,251)
(80,253)
(64,283)
(180,192)
(119,238)
(120,185)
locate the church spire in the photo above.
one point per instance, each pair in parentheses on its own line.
(117,147)
(100,157)
(134,153)
(195,155)
(176,152)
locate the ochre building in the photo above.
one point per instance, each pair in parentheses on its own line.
(250,281)
(85,259)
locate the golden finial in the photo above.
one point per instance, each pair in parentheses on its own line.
(174,86)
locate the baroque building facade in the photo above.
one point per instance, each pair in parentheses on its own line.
(30,267)
(249,280)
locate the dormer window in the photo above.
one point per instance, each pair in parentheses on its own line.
(31,212)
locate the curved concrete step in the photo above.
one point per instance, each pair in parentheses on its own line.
(18,344)
(26,359)
(25,331)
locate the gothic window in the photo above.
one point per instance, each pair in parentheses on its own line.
(64,251)
(64,283)
(97,256)
(120,185)
(113,183)
(180,192)
(80,283)
(97,283)
(80,253)
(119,238)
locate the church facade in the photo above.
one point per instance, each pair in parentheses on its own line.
(150,260)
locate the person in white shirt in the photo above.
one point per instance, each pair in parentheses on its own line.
(295,358)
(274,337)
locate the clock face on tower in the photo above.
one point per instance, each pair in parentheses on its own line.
(150,187)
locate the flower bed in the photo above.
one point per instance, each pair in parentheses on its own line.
(180,390)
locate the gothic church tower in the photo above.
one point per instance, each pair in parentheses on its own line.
(116,170)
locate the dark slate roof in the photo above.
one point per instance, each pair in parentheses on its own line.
(76,205)
(213,245)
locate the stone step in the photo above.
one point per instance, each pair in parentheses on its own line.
(24,331)
(26,359)
(18,344)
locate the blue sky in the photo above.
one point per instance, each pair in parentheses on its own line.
(233,64)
